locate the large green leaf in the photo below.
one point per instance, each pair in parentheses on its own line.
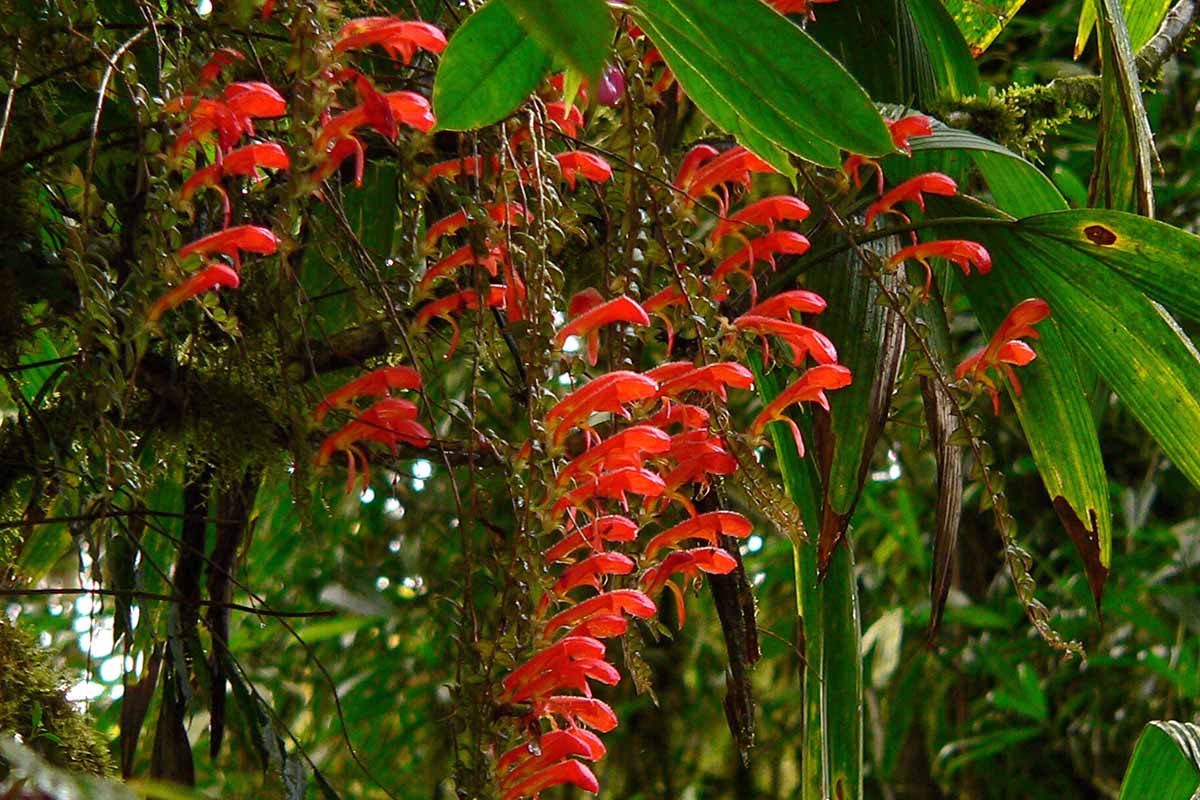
(953,65)
(770,71)
(981,22)
(726,115)
(1132,341)
(577,31)
(1121,177)
(490,66)
(831,746)
(1165,763)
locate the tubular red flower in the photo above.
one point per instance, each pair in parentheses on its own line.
(565,649)
(576,742)
(912,190)
(781,306)
(809,388)
(797,6)
(572,674)
(626,601)
(390,421)
(452,168)
(962,252)
(400,38)
(766,212)
(591,712)
(590,572)
(569,771)
(625,449)
(607,393)
(231,241)
(587,325)
(712,378)
(602,626)
(609,528)
(211,277)
(800,339)
(461,257)
(341,150)
(765,247)
(695,158)
(733,166)
(697,469)
(445,307)
(906,128)
(614,484)
(254,100)
(708,526)
(589,165)
(1005,350)
(503,214)
(221,58)
(712,560)
(690,417)
(379,383)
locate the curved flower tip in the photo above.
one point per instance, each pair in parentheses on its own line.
(591,712)
(784,304)
(378,383)
(625,449)
(255,99)
(609,528)
(587,324)
(450,169)
(391,421)
(810,388)
(618,601)
(503,214)
(446,307)
(550,748)
(605,394)
(913,190)
(400,38)
(211,277)
(800,339)
(962,252)
(461,257)
(615,484)
(707,173)
(765,247)
(708,526)
(1005,350)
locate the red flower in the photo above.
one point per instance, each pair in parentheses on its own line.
(211,277)
(400,38)
(764,247)
(706,526)
(461,257)
(589,165)
(567,119)
(332,160)
(445,307)
(912,190)
(452,168)
(695,158)
(1005,349)
(962,252)
(588,323)
(905,128)
(589,572)
(219,60)
(712,560)
(809,388)
(800,339)
(231,241)
(588,710)
(688,416)
(782,305)
(712,378)
(766,212)
(625,449)
(551,747)
(569,771)
(627,601)
(254,100)
(797,6)
(243,161)
(657,305)
(614,484)
(503,214)
(733,166)
(605,394)
(379,383)
(609,528)
(390,421)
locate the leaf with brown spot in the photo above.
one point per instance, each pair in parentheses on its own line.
(1087,542)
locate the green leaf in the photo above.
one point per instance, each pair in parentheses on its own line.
(981,23)
(950,56)
(1161,260)
(576,31)
(769,71)
(1142,17)
(1121,177)
(1165,763)
(490,66)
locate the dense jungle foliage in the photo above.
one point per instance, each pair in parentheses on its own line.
(655,398)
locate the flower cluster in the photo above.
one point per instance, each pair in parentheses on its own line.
(1006,350)
(229,116)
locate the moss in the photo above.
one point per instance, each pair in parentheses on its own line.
(1021,117)
(33,705)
